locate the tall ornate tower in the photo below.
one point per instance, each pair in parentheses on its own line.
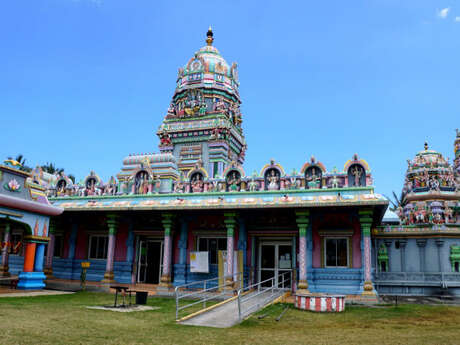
(203,123)
(457,154)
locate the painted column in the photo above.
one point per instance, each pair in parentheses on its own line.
(365,218)
(402,246)
(130,252)
(29,257)
(4,269)
(180,271)
(39,257)
(243,240)
(167,250)
(50,251)
(28,279)
(439,244)
(230,222)
(112,224)
(388,244)
(421,249)
(303,220)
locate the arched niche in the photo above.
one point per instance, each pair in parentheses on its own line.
(233,181)
(61,185)
(356,176)
(313,177)
(196,182)
(272,179)
(141,181)
(91,182)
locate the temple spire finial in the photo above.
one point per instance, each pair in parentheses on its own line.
(426,146)
(210,36)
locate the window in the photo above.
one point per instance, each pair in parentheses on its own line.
(212,245)
(216,169)
(98,247)
(336,252)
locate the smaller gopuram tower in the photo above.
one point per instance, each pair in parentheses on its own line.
(457,156)
(202,128)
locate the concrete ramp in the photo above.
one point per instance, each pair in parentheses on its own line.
(226,314)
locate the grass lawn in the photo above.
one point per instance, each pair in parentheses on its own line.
(65,320)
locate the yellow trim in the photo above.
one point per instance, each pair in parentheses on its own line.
(12,214)
(199,312)
(36,238)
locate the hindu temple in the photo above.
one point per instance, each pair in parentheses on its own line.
(191,211)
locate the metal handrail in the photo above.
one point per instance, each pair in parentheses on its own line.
(259,292)
(205,289)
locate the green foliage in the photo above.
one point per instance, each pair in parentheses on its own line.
(20,158)
(64,319)
(397,201)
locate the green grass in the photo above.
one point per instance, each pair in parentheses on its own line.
(63,319)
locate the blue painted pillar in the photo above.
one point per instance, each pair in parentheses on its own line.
(183,242)
(180,269)
(72,246)
(39,257)
(243,245)
(130,244)
(73,241)
(243,240)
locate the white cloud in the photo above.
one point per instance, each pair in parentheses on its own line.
(457,19)
(443,13)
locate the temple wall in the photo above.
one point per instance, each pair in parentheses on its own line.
(421,267)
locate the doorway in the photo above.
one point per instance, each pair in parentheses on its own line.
(275,258)
(150,261)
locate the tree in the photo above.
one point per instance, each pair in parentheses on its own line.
(22,161)
(50,168)
(397,201)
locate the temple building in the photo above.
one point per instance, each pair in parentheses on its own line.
(172,217)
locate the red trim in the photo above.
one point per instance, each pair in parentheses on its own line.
(317,305)
(31,206)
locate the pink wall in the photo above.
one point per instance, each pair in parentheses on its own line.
(120,243)
(356,242)
(81,244)
(337,222)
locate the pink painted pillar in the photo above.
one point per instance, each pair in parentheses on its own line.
(167,251)
(230,221)
(365,217)
(4,269)
(49,256)
(367,258)
(302,222)
(50,251)
(112,223)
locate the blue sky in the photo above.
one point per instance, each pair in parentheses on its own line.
(86,82)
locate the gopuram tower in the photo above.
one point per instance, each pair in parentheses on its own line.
(202,128)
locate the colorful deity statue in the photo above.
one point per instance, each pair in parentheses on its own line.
(314,181)
(356,172)
(234,182)
(197,184)
(253,186)
(273,181)
(335,182)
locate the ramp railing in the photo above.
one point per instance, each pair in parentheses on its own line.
(264,292)
(202,291)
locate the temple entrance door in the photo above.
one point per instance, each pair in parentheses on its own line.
(150,263)
(274,259)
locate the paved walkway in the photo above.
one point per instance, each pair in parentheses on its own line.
(26,293)
(226,315)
